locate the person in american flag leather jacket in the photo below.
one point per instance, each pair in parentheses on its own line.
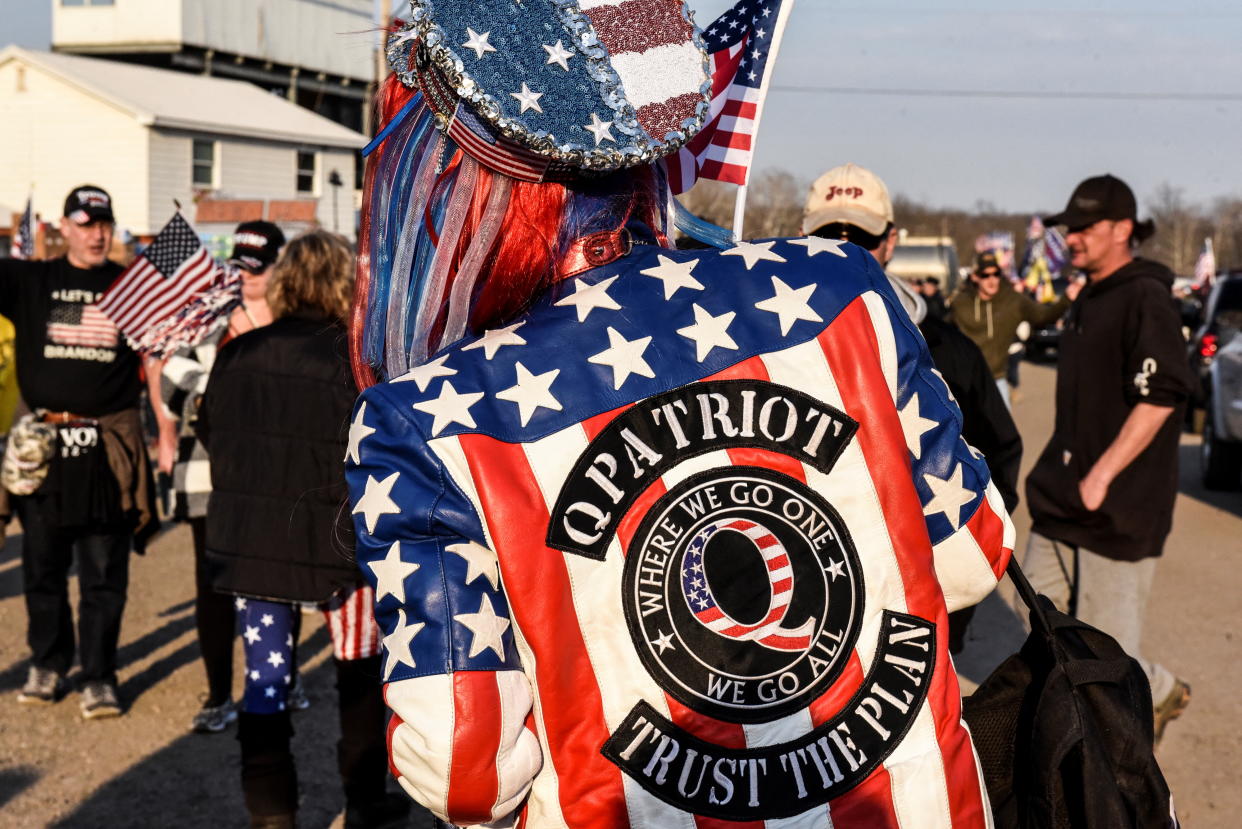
(658,538)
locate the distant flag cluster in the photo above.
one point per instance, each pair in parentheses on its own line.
(740,42)
(1045,258)
(23,246)
(173,270)
(1205,266)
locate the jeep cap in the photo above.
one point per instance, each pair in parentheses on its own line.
(848,194)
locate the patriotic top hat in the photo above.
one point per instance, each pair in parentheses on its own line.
(552,89)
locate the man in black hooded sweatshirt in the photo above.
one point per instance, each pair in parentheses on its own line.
(1101,495)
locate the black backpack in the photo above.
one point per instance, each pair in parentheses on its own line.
(1064,730)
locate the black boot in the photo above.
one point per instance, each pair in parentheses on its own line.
(362,755)
(269,778)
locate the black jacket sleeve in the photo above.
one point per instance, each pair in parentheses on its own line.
(1155,358)
(10,274)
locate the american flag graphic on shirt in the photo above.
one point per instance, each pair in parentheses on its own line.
(72,323)
(741,43)
(523,660)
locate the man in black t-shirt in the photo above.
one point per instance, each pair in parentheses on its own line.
(78,374)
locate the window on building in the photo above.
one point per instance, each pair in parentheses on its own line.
(204,163)
(306,172)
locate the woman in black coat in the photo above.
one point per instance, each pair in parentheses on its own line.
(275,421)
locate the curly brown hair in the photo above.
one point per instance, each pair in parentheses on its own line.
(314,276)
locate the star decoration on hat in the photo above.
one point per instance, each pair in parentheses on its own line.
(948,496)
(602,130)
(675,275)
(915,426)
(531,392)
(487,627)
(450,407)
(818,244)
(358,432)
(478,42)
(624,357)
(391,571)
(586,298)
(709,332)
(754,252)
(558,54)
(397,644)
(496,339)
(480,561)
(789,305)
(528,98)
(424,374)
(377,501)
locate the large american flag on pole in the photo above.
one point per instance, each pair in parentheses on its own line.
(173,270)
(743,43)
(23,240)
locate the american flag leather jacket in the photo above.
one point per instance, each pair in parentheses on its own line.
(676,549)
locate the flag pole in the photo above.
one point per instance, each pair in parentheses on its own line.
(778,32)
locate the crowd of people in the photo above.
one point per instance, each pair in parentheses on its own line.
(543,598)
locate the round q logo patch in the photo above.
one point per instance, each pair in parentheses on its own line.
(743,593)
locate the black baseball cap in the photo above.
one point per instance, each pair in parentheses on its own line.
(985,261)
(1098,199)
(256,245)
(88,203)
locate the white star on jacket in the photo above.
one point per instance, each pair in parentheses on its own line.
(528,98)
(586,298)
(602,130)
(790,305)
(709,332)
(424,374)
(664,642)
(267,620)
(450,407)
(531,392)
(948,496)
(487,627)
(480,561)
(915,426)
(391,571)
(817,244)
(275,659)
(753,253)
(376,500)
(358,432)
(625,357)
(558,54)
(478,42)
(496,339)
(397,644)
(675,275)
(252,634)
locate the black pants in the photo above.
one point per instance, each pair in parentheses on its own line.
(103,578)
(215,620)
(269,776)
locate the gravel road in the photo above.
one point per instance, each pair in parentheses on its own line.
(145,769)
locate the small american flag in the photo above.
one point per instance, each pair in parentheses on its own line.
(77,324)
(173,270)
(24,238)
(742,42)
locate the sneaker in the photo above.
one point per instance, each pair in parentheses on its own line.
(1171,707)
(41,687)
(99,700)
(213,719)
(297,699)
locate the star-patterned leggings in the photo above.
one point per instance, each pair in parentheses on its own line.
(267,640)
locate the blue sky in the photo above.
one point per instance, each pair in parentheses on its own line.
(1019,153)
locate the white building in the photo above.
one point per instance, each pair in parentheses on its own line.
(226,150)
(320,54)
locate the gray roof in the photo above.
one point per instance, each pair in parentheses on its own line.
(176,100)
